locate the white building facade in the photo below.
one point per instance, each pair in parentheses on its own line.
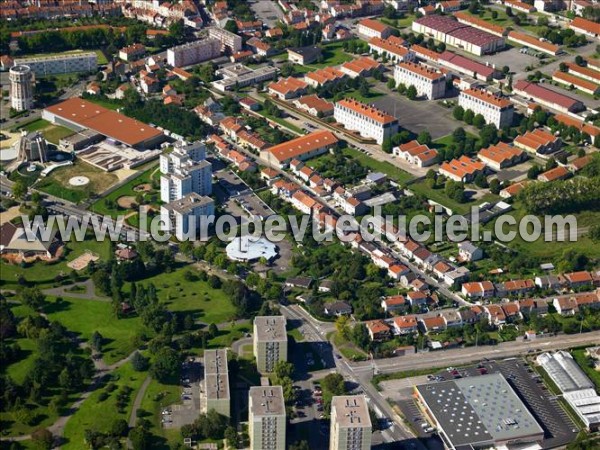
(496,110)
(183,171)
(428,82)
(368,121)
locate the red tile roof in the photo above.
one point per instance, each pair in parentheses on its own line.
(487,97)
(367,111)
(537,91)
(303,144)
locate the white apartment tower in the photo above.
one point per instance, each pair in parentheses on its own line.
(228,40)
(21,88)
(216,382)
(496,110)
(266,418)
(183,171)
(368,121)
(429,83)
(184,217)
(350,423)
(270,342)
(193,52)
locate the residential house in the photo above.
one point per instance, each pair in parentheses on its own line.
(528,306)
(579,279)
(495,314)
(338,308)
(452,317)
(405,324)
(432,324)
(378,330)
(395,271)
(394,303)
(417,298)
(469,252)
(478,289)
(511,311)
(514,288)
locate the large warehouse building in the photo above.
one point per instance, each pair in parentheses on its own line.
(78,115)
(578,390)
(478,412)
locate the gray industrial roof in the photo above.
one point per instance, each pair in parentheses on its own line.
(270,328)
(480,409)
(564,371)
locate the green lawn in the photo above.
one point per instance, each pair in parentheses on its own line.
(157,397)
(86,316)
(403,22)
(394,173)
(333,55)
(355,94)
(196,297)
(44,274)
(108,104)
(100,207)
(52,133)
(19,370)
(347,348)
(438,196)
(99,415)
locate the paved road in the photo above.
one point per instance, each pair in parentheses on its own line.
(89,293)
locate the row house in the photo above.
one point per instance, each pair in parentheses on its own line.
(463,169)
(539,142)
(432,324)
(558,173)
(514,288)
(568,305)
(529,306)
(373,28)
(495,314)
(501,156)
(478,289)
(579,279)
(419,155)
(549,282)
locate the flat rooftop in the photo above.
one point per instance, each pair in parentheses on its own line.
(270,328)
(482,409)
(351,411)
(216,375)
(266,401)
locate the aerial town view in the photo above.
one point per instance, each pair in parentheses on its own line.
(300,224)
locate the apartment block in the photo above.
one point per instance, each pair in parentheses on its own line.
(368,121)
(394,48)
(63,63)
(217,395)
(193,52)
(495,110)
(185,170)
(266,418)
(229,41)
(374,28)
(350,423)
(185,216)
(132,52)
(428,82)
(270,342)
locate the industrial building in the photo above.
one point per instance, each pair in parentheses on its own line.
(577,389)
(78,115)
(270,342)
(478,412)
(266,418)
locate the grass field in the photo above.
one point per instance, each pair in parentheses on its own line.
(394,173)
(195,297)
(57,182)
(86,316)
(355,94)
(438,196)
(52,133)
(99,415)
(100,207)
(333,55)
(43,274)
(157,397)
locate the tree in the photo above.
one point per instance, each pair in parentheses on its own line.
(283,369)
(139,438)
(119,428)
(479,121)
(387,145)
(19,189)
(32,297)
(165,365)
(481,181)
(424,138)
(459,135)
(232,437)
(139,362)
(301,445)
(533,172)
(508,11)
(458,112)
(334,383)
(389,12)
(594,233)
(495,186)
(468,117)
(342,326)
(411,92)
(231,26)
(96,341)
(213,330)
(551,163)
(43,439)
(494,14)
(391,83)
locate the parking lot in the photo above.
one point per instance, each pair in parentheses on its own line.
(559,428)
(416,115)
(268,11)
(184,413)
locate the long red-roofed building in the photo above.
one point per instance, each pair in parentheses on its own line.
(301,148)
(370,122)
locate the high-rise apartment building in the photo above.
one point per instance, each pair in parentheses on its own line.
(185,170)
(270,342)
(216,382)
(266,418)
(350,423)
(193,52)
